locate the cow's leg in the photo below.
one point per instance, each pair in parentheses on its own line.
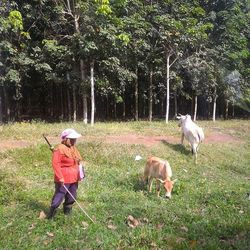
(194,151)
(158,187)
(150,183)
(182,138)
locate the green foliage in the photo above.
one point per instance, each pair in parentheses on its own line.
(103,7)
(124,38)
(13,76)
(15,20)
(44,42)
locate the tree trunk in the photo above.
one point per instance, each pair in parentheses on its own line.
(69,105)
(175,104)
(214,107)
(7,104)
(150,97)
(92,93)
(74,102)
(195,107)
(61,101)
(82,71)
(226,111)
(17,96)
(51,102)
(85,108)
(68,97)
(124,106)
(115,109)
(84,95)
(167,97)
(1,107)
(233,109)
(136,95)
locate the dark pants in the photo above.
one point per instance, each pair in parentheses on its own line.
(61,194)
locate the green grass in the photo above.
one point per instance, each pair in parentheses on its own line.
(209,208)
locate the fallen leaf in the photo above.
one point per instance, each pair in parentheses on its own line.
(153,244)
(50,234)
(144,220)
(32,226)
(46,242)
(42,215)
(184,229)
(180,239)
(132,222)
(159,226)
(112,227)
(193,243)
(85,225)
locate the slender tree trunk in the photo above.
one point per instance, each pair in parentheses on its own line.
(115,109)
(84,95)
(175,104)
(74,102)
(233,109)
(107,106)
(214,107)
(92,93)
(85,108)
(150,97)
(61,101)
(82,70)
(124,106)
(1,107)
(167,97)
(69,105)
(136,95)
(51,102)
(7,104)
(208,110)
(162,106)
(18,94)
(195,107)
(68,97)
(226,111)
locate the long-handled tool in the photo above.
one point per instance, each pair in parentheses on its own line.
(77,203)
(51,148)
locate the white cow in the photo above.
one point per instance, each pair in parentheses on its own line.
(193,133)
(160,170)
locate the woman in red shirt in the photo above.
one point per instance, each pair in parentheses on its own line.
(65,161)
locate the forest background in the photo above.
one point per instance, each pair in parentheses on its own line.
(120,59)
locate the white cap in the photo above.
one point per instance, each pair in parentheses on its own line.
(70,134)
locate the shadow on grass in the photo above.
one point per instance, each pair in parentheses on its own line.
(38,206)
(177,147)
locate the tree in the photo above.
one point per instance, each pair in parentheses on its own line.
(15,62)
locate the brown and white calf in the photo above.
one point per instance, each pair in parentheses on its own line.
(193,133)
(160,170)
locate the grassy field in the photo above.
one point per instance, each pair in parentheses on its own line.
(209,208)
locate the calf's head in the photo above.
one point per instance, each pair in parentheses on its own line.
(168,186)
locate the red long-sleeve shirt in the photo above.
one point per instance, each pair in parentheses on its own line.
(65,169)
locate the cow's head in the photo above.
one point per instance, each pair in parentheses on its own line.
(168,186)
(182,118)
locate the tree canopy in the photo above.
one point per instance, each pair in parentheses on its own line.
(123,59)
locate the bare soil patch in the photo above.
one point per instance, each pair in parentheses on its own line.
(149,141)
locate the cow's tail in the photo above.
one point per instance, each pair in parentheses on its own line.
(201,135)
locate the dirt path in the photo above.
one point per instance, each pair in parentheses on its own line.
(148,141)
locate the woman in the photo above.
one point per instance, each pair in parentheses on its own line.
(65,161)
